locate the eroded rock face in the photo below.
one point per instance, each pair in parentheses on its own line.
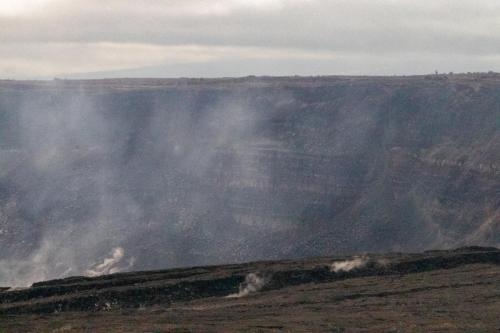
(187,172)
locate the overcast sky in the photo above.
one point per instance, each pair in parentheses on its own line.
(171,38)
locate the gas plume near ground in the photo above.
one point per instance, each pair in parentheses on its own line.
(436,291)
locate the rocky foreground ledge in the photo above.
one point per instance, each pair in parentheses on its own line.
(435,291)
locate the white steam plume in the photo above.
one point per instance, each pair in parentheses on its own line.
(109,265)
(253,283)
(349,265)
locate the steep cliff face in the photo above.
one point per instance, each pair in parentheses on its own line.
(185,172)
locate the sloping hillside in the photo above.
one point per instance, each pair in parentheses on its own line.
(437,291)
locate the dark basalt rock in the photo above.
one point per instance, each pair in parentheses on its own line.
(133,290)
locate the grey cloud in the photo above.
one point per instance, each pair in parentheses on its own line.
(387,28)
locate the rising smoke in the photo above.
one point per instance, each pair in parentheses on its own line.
(254,282)
(111,264)
(349,265)
(90,170)
(49,260)
(360,262)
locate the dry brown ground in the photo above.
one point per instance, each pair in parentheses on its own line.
(464,299)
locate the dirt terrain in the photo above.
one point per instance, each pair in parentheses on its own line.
(435,291)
